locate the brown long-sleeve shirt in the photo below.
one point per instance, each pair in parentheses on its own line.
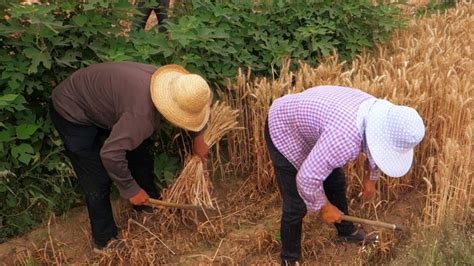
(113,96)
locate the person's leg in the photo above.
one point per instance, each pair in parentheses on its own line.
(141,165)
(83,147)
(162,13)
(146,13)
(335,189)
(294,208)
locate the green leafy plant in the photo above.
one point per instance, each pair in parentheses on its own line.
(435,5)
(448,244)
(166,166)
(217,37)
(41,45)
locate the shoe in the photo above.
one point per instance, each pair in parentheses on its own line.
(359,236)
(289,263)
(111,246)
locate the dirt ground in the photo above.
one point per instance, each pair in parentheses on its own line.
(250,236)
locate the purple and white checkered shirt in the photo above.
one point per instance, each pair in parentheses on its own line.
(317,131)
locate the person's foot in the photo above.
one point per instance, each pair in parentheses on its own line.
(111,246)
(359,236)
(289,263)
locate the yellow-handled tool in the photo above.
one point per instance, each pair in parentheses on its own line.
(371,222)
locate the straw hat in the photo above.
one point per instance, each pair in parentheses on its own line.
(392,131)
(182,98)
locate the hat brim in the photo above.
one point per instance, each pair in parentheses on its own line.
(160,89)
(392,162)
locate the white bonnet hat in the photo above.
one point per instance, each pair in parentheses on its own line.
(392,132)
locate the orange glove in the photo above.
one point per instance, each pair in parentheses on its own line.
(330,214)
(139,198)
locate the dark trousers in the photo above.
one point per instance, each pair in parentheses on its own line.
(83,144)
(161,13)
(294,208)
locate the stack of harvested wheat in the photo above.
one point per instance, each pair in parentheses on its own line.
(193,185)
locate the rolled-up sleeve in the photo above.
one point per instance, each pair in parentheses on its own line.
(331,151)
(127,134)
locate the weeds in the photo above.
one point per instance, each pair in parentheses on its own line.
(446,245)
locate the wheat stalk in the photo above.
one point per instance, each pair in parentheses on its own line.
(193,185)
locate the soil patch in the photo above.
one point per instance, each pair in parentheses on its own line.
(250,235)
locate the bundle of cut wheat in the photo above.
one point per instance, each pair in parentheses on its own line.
(193,185)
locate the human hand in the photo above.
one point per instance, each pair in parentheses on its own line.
(200,147)
(369,189)
(140,198)
(330,214)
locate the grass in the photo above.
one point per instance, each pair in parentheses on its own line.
(435,5)
(446,245)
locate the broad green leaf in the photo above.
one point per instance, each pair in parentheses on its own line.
(168,175)
(25,131)
(13,84)
(31,52)
(23,152)
(8,101)
(11,201)
(6,30)
(8,98)
(37,57)
(56,189)
(80,20)
(5,136)
(20,103)
(69,58)
(88,6)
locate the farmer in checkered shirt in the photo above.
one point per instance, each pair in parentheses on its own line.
(313,134)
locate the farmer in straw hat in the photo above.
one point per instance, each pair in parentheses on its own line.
(123,102)
(311,135)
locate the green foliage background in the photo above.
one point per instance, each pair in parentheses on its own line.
(42,44)
(217,37)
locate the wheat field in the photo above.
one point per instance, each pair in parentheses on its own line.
(428,67)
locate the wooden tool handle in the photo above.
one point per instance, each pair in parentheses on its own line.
(173,205)
(371,222)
